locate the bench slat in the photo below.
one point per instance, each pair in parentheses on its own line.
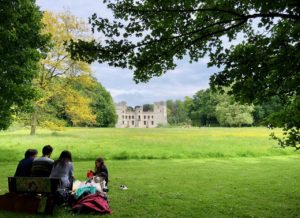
(33,184)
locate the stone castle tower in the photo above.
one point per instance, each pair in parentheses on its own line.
(138,118)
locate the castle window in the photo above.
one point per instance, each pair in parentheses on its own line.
(139,117)
(148,117)
(145,118)
(126,117)
(123,116)
(152,116)
(145,123)
(152,122)
(123,122)
(132,122)
(132,117)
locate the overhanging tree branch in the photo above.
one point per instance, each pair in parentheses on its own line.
(256,15)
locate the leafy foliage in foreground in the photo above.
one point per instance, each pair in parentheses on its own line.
(20,45)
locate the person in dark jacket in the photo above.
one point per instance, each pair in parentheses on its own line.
(41,167)
(24,166)
(101,169)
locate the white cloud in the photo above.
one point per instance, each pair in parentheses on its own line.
(120,92)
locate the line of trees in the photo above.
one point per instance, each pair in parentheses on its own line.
(207,108)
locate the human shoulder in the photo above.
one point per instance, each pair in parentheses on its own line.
(44,159)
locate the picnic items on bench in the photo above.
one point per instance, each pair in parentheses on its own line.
(30,195)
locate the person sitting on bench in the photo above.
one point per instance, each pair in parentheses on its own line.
(63,169)
(24,166)
(41,167)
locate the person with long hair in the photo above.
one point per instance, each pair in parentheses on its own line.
(101,169)
(63,169)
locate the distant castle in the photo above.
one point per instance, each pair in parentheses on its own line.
(137,117)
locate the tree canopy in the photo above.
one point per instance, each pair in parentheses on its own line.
(177,112)
(57,70)
(202,111)
(230,113)
(67,93)
(208,108)
(20,45)
(148,36)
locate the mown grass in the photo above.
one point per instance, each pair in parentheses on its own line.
(235,187)
(206,172)
(121,144)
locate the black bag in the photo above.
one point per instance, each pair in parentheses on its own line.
(62,196)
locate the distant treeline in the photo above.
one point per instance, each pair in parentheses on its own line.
(207,108)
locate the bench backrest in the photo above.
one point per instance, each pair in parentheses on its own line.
(33,184)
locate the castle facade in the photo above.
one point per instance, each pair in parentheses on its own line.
(138,118)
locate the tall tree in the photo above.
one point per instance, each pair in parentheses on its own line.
(102,104)
(209,108)
(231,113)
(147,36)
(263,111)
(20,43)
(58,69)
(203,108)
(177,112)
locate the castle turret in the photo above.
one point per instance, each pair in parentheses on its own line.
(121,111)
(160,110)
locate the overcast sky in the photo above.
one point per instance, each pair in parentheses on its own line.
(185,80)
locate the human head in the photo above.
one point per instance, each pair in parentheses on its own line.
(27,153)
(47,150)
(31,153)
(99,162)
(65,156)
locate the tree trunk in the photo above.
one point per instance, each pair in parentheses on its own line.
(33,122)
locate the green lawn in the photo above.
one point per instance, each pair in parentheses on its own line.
(158,143)
(207,172)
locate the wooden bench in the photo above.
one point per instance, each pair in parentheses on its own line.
(30,195)
(35,185)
